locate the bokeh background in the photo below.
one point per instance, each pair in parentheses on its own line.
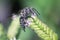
(49,14)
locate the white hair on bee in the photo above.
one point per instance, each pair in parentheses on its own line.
(25,14)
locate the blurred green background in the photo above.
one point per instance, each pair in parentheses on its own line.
(49,11)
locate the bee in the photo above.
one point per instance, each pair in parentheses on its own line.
(25,14)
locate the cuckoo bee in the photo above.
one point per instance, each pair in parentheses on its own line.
(25,14)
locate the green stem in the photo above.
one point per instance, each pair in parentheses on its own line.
(2,33)
(42,29)
(13,28)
